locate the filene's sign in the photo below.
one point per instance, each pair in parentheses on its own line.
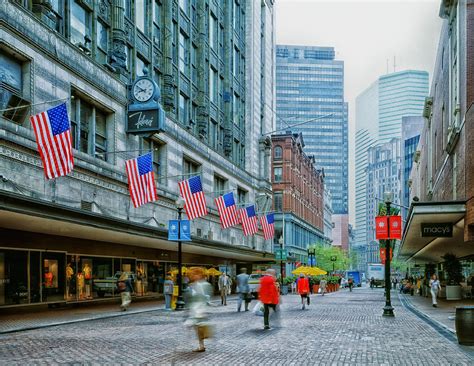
(143,121)
(437,230)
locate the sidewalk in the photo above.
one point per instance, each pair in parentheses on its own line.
(27,319)
(445,312)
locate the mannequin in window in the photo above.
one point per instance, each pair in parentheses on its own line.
(87,276)
(69,275)
(80,285)
(48,278)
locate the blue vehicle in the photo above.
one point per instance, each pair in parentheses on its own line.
(356,277)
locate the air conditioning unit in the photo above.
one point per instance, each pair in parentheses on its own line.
(453,137)
(416,156)
(429,189)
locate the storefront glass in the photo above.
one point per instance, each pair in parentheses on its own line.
(102,277)
(13,277)
(35,277)
(156,272)
(53,276)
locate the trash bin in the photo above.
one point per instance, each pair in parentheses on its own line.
(465,325)
(174,297)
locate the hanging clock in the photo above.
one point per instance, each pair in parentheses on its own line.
(143,90)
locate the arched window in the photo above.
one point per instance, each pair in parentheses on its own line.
(278,153)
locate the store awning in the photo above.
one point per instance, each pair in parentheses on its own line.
(434,229)
(18,212)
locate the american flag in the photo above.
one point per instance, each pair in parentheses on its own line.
(227,210)
(268,226)
(53,136)
(249,220)
(195,202)
(141,180)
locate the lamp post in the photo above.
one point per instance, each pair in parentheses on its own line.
(311,254)
(388,309)
(333,260)
(282,267)
(180,301)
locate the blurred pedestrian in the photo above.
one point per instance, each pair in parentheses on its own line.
(350,283)
(243,289)
(125,288)
(303,289)
(168,287)
(224,284)
(322,285)
(269,295)
(372,283)
(435,286)
(198,296)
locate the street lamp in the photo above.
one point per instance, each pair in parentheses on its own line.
(333,260)
(388,309)
(282,269)
(311,254)
(180,301)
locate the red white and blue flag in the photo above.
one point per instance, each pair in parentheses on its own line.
(141,180)
(227,210)
(249,220)
(268,226)
(195,201)
(53,137)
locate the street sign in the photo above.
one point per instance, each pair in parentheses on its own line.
(311,261)
(177,231)
(280,254)
(185,232)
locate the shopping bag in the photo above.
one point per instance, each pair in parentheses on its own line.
(258,309)
(319,290)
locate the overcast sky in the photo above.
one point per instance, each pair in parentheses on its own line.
(365,34)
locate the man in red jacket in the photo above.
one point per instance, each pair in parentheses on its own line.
(268,295)
(303,289)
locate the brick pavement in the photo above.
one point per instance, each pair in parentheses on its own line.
(338,329)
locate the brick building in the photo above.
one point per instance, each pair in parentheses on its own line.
(442,177)
(298,191)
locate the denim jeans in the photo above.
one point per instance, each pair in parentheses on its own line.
(168,301)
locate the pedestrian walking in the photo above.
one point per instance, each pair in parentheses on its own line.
(322,286)
(268,295)
(224,284)
(199,295)
(350,283)
(435,286)
(125,288)
(168,287)
(372,283)
(243,289)
(303,289)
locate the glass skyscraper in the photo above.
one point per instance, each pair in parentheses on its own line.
(310,88)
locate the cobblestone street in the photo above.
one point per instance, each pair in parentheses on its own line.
(340,328)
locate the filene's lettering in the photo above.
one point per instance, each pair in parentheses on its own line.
(143,120)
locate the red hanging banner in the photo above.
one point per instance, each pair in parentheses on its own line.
(381,227)
(383,257)
(395,227)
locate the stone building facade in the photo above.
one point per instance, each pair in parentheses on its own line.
(298,196)
(442,177)
(206,58)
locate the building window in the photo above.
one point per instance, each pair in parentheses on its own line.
(277,174)
(183,53)
(213,36)
(102,42)
(241,196)
(58,12)
(278,153)
(236,20)
(174,39)
(213,87)
(190,168)
(213,133)
(80,25)
(184,5)
(140,14)
(220,185)
(141,65)
(194,63)
(158,150)
(12,74)
(236,106)
(128,8)
(157,23)
(183,109)
(88,127)
(236,62)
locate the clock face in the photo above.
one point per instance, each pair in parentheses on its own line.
(143,90)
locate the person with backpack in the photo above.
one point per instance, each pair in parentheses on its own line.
(125,288)
(303,290)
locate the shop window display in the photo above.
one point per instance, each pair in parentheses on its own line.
(35,277)
(13,277)
(53,276)
(103,281)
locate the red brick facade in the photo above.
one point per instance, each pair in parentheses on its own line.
(301,185)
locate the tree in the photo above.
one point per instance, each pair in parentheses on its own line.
(323,257)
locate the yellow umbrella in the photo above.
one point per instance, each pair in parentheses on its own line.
(303,269)
(175,271)
(309,271)
(213,272)
(315,271)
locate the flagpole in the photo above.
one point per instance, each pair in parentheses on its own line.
(32,105)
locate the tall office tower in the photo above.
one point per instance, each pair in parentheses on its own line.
(384,163)
(411,130)
(310,98)
(401,94)
(366,136)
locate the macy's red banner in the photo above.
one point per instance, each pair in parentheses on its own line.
(382,225)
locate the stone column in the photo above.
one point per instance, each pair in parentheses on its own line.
(228,117)
(168,82)
(118,54)
(203,72)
